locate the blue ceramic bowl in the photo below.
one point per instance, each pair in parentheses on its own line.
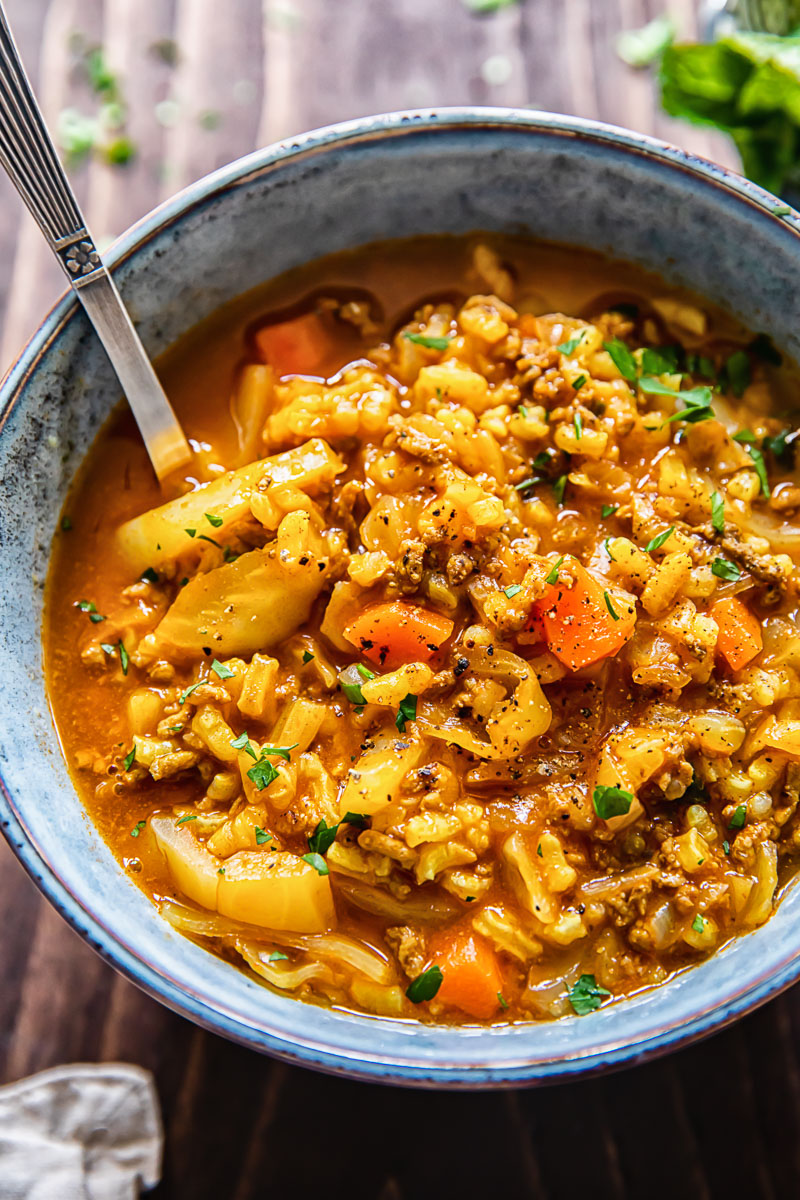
(453,171)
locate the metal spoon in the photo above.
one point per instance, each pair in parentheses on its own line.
(29,157)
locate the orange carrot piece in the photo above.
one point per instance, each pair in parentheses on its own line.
(471,978)
(296,347)
(395,633)
(579,622)
(739,638)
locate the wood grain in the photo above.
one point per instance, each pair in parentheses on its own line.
(718,1119)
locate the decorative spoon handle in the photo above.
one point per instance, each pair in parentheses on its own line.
(29,157)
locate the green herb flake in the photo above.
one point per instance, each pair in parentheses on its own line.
(202,537)
(185,820)
(578,424)
(622,359)
(221,871)
(726,847)
(66,524)
(779,446)
(657,542)
(322,838)
(503,1001)
(425,986)
(357,820)
(586,995)
(185,695)
(738,819)
(559,487)
(262,836)
(761,469)
(123,657)
(191,532)
(723,568)
(365,672)
(307,656)
(353,693)
(530,482)
(242,742)
(717,512)
(130,759)
(737,369)
(608,510)
(430,343)
(578,383)
(213,520)
(572,345)
(87,606)
(781,210)
(278,956)
(513,590)
(262,773)
(539,850)
(317,862)
(661,361)
(138,827)
(149,576)
(611,802)
(607,548)
(698,924)
(614,614)
(552,575)
(744,436)
(222,671)
(407,711)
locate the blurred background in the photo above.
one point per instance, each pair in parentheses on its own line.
(147,95)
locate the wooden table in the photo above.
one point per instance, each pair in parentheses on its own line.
(719,1119)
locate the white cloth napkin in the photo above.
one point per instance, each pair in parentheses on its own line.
(80,1132)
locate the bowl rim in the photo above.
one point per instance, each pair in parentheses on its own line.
(285,1041)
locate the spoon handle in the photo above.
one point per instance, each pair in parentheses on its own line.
(29,157)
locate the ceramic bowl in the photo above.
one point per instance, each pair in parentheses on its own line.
(452,171)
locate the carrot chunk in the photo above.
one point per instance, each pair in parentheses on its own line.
(395,633)
(471,977)
(582,621)
(739,638)
(296,347)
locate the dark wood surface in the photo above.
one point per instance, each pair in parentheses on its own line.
(718,1119)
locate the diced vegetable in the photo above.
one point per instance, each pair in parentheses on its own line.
(250,406)
(159,535)
(270,888)
(578,624)
(471,975)
(242,607)
(296,347)
(627,761)
(739,638)
(374,779)
(395,633)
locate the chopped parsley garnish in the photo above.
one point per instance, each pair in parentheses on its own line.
(523,411)
(608,510)
(578,383)
(365,672)
(612,611)
(586,995)
(760,466)
(242,742)
(578,423)
(697,400)
(185,820)
(150,576)
(191,532)
(130,759)
(552,575)
(781,210)
(407,711)
(138,827)
(738,819)
(117,648)
(723,568)
(213,519)
(278,956)
(539,850)
(88,606)
(737,370)
(221,871)
(611,802)
(607,548)
(559,487)
(201,537)
(353,693)
(572,345)
(503,1001)
(657,542)
(698,924)
(425,986)
(726,847)
(661,361)
(317,862)
(512,590)
(185,695)
(744,436)
(430,343)
(530,482)
(307,656)
(358,820)
(220,669)
(66,524)
(322,838)
(622,359)
(262,773)
(779,446)
(262,836)
(717,512)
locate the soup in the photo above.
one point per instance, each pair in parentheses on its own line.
(459,678)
